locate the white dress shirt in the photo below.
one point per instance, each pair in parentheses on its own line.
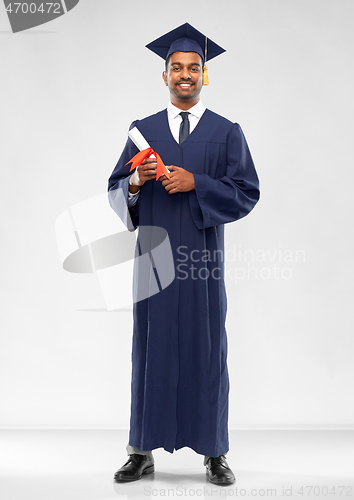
(174,121)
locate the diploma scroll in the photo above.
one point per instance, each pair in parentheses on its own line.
(140,141)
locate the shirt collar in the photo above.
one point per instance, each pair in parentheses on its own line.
(197,110)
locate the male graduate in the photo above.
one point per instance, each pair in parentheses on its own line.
(180,384)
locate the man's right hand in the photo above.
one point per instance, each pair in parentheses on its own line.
(146,171)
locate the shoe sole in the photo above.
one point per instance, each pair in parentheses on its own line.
(148,470)
(221,483)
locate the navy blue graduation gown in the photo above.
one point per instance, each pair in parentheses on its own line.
(180,384)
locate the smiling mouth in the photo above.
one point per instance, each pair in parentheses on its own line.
(185,85)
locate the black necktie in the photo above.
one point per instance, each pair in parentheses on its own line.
(184,128)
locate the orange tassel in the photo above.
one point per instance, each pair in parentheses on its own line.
(205,69)
(205,76)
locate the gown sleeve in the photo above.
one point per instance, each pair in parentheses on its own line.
(218,201)
(118,187)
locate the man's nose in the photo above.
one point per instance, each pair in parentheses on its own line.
(185,73)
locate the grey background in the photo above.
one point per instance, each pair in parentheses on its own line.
(69,91)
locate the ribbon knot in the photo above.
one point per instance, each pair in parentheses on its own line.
(145,153)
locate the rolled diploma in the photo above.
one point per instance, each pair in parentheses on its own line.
(140,141)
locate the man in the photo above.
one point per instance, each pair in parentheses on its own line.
(180,380)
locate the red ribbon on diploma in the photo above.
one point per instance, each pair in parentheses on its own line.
(138,158)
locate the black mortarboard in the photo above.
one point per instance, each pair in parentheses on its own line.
(185,38)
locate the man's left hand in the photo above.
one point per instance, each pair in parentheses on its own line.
(181,181)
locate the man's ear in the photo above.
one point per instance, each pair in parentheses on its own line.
(164,76)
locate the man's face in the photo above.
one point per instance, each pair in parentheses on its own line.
(184,76)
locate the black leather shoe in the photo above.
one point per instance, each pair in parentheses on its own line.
(134,468)
(219,471)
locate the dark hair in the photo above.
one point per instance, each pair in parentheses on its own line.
(167,61)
